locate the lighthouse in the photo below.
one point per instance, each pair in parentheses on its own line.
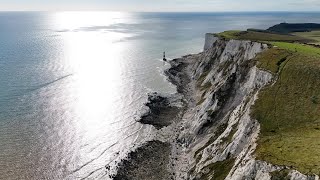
(164,56)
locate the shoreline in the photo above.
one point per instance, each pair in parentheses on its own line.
(149,161)
(163,109)
(165,112)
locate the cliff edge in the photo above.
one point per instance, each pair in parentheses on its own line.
(245,110)
(221,134)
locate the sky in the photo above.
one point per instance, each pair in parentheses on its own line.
(161,5)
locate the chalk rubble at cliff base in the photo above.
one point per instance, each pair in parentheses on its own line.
(148,162)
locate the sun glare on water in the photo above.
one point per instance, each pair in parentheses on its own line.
(94,62)
(95,59)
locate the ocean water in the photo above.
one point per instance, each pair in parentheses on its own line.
(73,84)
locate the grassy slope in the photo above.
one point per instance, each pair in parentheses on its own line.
(315,35)
(261,36)
(232,34)
(300,48)
(272,58)
(289,111)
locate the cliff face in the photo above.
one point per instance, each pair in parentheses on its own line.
(217,137)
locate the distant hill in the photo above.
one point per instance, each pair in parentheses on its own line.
(290,28)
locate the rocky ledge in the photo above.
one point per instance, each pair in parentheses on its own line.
(163,110)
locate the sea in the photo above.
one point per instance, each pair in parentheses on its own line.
(73,84)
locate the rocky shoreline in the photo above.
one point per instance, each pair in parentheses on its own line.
(162,110)
(157,159)
(147,162)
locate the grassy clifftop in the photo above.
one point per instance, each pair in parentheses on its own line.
(283,32)
(261,36)
(315,35)
(288,110)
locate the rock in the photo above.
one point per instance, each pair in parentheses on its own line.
(163,110)
(147,162)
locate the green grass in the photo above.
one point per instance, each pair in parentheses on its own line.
(299,48)
(232,34)
(218,170)
(261,36)
(272,58)
(315,35)
(289,112)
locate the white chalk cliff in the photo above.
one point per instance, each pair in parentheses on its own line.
(216,131)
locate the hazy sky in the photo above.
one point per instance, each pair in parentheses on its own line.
(162,5)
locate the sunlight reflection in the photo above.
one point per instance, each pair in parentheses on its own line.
(94,60)
(104,93)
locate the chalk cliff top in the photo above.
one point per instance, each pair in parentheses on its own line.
(288,110)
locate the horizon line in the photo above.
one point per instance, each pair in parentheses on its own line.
(99,10)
